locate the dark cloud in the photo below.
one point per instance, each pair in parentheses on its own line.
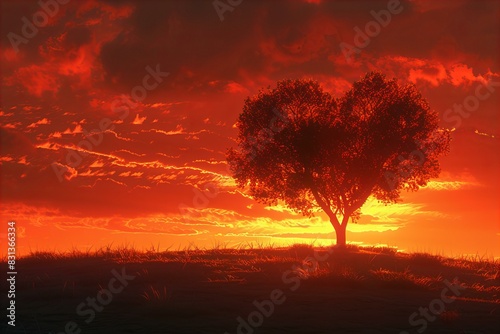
(77,37)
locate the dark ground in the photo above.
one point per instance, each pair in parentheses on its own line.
(354,291)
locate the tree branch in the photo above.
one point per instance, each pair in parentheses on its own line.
(328,210)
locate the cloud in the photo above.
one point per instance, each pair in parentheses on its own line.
(40,122)
(78,129)
(37,80)
(138,120)
(449,185)
(396,214)
(280,208)
(69,172)
(236,88)
(484,134)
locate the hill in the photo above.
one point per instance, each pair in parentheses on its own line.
(299,289)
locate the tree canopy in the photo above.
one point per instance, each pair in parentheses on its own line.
(299,145)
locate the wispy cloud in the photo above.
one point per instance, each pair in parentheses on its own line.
(37,123)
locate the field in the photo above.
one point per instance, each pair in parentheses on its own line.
(299,289)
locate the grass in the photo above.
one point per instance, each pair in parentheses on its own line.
(195,290)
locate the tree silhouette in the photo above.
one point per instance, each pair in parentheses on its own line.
(299,145)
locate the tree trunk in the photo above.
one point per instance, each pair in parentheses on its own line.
(340,231)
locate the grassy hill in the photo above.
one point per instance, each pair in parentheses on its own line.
(299,289)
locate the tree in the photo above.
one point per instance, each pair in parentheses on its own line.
(300,146)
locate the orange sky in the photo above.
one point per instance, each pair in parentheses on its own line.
(155,172)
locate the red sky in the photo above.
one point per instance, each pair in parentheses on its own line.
(158,175)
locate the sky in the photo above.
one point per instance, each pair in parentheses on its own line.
(116,117)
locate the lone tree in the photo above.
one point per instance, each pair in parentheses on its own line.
(300,146)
